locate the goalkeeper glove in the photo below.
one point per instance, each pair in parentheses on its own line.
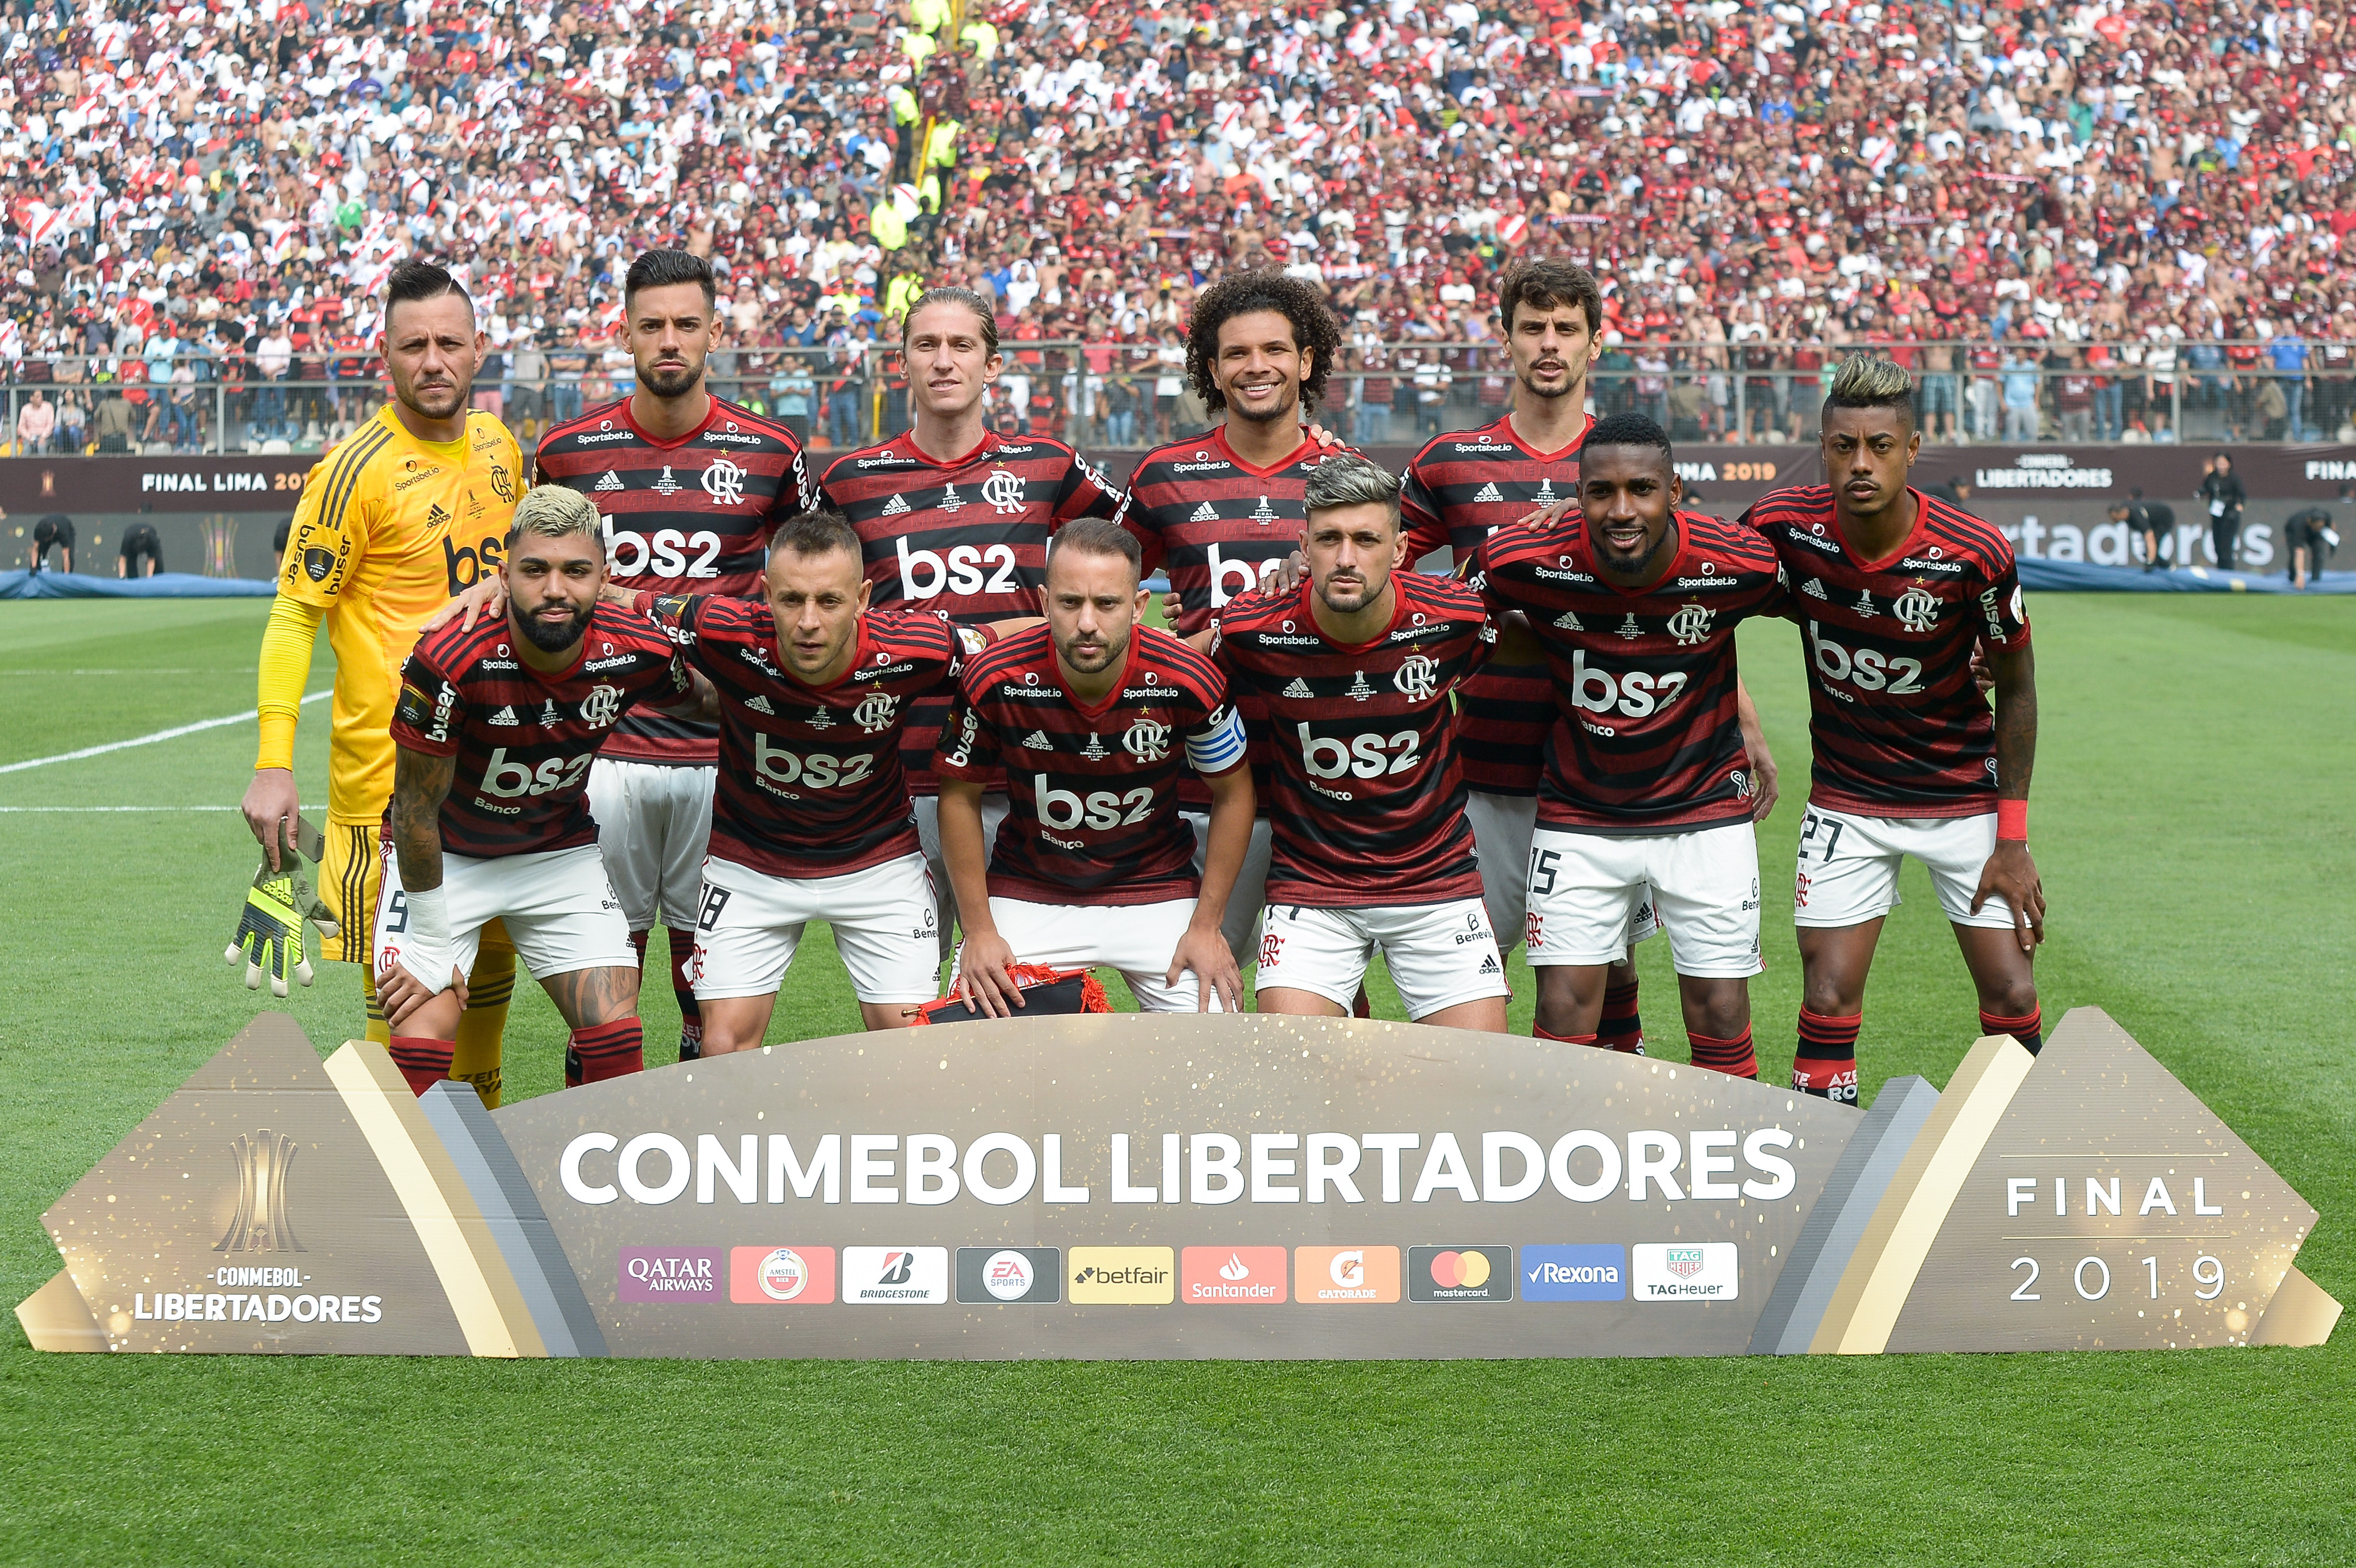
(269,934)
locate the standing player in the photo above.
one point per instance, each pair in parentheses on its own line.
(691,485)
(496,727)
(1894,591)
(1222,511)
(812,819)
(1647,790)
(398,516)
(954,518)
(1354,669)
(1093,718)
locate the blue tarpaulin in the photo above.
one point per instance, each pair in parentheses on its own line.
(2079,576)
(163,585)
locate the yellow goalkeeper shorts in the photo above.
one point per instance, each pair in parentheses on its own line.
(349,878)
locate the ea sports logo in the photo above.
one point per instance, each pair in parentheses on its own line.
(1417,678)
(1148,739)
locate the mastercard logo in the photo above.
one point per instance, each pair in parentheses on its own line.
(1461,1273)
(1453,1270)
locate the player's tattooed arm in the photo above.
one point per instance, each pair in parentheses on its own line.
(1754,750)
(702,702)
(2010,871)
(420,783)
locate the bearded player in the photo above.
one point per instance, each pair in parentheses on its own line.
(1221,512)
(1092,719)
(495,728)
(408,510)
(1370,849)
(1646,792)
(1893,590)
(955,518)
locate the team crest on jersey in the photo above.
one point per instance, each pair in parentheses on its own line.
(504,716)
(897,507)
(1917,609)
(1148,739)
(1204,513)
(950,500)
(875,712)
(1003,491)
(667,485)
(1488,492)
(502,482)
(1299,688)
(1691,624)
(759,704)
(1417,677)
(1629,631)
(602,706)
(724,481)
(1359,691)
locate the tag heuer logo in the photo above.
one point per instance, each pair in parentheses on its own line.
(760,704)
(611,481)
(897,507)
(1206,513)
(1298,688)
(504,716)
(1487,493)
(1683,1262)
(260,1224)
(1037,741)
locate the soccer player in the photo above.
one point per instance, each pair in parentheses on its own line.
(954,518)
(1893,590)
(1093,718)
(495,731)
(1647,787)
(1353,670)
(397,517)
(1223,511)
(690,487)
(812,819)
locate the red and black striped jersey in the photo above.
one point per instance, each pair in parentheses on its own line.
(967,537)
(691,516)
(1898,727)
(1218,524)
(1092,793)
(524,739)
(1458,490)
(1368,805)
(809,783)
(1645,739)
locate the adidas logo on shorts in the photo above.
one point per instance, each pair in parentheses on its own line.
(1569,622)
(611,481)
(504,716)
(1298,688)
(1206,513)
(760,704)
(896,507)
(1489,964)
(1487,493)
(1037,741)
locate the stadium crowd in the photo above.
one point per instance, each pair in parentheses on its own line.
(2125,190)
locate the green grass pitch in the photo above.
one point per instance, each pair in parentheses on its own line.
(2192,824)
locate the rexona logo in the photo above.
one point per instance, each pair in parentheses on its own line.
(896,1276)
(1459,1274)
(1128,1276)
(669,1273)
(1700,1271)
(781,1277)
(1579,1273)
(1014,1276)
(1231,1276)
(1331,1276)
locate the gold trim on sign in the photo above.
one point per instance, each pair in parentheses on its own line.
(56,1318)
(2301,1312)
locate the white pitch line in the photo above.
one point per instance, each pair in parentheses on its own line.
(172,734)
(166,669)
(5,810)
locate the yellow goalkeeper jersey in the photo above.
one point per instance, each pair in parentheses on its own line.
(388,529)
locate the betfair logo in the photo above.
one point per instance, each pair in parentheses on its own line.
(1136,1276)
(259,1224)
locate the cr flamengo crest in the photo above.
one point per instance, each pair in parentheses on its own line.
(601,707)
(875,711)
(1691,624)
(724,481)
(1917,609)
(1003,491)
(1418,677)
(1148,739)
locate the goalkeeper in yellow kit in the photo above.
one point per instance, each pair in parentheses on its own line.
(395,519)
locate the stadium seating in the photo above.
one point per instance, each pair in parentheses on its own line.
(215,191)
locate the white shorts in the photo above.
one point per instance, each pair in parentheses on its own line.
(560,911)
(1136,939)
(882,919)
(654,823)
(1502,825)
(928,839)
(1847,872)
(1586,889)
(1240,924)
(1439,955)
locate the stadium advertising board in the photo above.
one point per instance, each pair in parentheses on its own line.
(1157,1187)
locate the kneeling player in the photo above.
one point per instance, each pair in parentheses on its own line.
(495,728)
(1094,718)
(812,820)
(1646,785)
(1370,847)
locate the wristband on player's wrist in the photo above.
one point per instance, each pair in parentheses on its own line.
(2012,821)
(426,936)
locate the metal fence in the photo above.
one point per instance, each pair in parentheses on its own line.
(1114,395)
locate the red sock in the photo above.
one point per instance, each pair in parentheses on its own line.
(2029,1029)
(638,941)
(1827,1063)
(1622,1027)
(608,1050)
(424,1061)
(683,985)
(1543,1034)
(1733,1057)
(1359,1007)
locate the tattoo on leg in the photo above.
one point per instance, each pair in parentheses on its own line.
(590,996)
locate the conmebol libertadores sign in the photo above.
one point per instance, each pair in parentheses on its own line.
(1126,1185)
